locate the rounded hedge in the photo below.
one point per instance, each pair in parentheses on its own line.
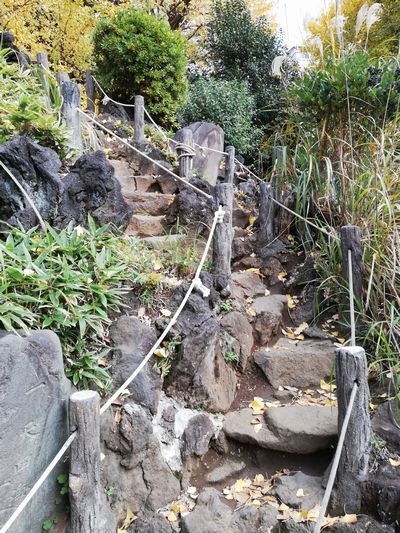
(136,53)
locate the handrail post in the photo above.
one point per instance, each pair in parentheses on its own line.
(223,237)
(43,64)
(89,510)
(185,153)
(61,77)
(230,164)
(72,119)
(139,119)
(352,367)
(90,91)
(267,210)
(350,239)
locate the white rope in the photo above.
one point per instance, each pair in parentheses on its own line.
(171,323)
(28,198)
(175,176)
(335,464)
(283,206)
(351,297)
(109,97)
(38,484)
(196,283)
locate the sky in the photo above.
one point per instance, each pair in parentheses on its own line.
(292,17)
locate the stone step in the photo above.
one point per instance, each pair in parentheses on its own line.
(296,365)
(149,203)
(146,225)
(163,242)
(300,429)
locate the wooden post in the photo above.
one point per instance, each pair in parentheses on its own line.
(43,64)
(185,137)
(89,509)
(61,77)
(352,367)
(223,237)
(139,119)
(72,118)
(230,164)
(350,239)
(267,210)
(90,91)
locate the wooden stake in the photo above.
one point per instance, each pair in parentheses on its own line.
(43,64)
(61,77)
(223,237)
(351,367)
(90,91)
(89,508)
(185,137)
(72,118)
(266,230)
(139,119)
(350,239)
(230,164)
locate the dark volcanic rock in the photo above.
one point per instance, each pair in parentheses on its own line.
(16,56)
(192,206)
(197,435)
(91,187)
(386,424)
(132,341)
(133,463)
(36,169)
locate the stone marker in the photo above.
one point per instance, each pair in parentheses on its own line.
(34,394)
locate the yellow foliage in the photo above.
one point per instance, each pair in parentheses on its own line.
(62,28)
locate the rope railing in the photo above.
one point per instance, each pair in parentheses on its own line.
(157,126)
(145,156)
(195,284)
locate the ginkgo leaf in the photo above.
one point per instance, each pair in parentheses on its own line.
(394,462)
(282,276)
(166,312)
(160,352)
(329,387)
(171,517)
(348,519)
(252,219)
(300,328)
(129,518)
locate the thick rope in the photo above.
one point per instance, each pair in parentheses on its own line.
(117,393)
(335,464)
(165,169)
(195,284)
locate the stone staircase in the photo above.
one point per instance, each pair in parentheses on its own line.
(151,197)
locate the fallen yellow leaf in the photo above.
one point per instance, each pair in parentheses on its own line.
(129,518)
(394,462)
(166,312)
(171,517)
(348,519)
(329,387)
(160,352)
(282,276)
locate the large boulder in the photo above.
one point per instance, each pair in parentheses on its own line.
(237,337)
(298,429)
(212,515)
(192,206)
(133,464)
(386,424)
(298,365)
(36,170)
(268,320)
(132,341)
(200,376)
(91,188)
(206,163)
(34,394)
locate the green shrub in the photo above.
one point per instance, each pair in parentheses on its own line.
(70,281)
(136,53)
(228,104)
(23,107)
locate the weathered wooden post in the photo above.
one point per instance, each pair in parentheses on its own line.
(230,164)
(350,239)
(185,152)
(90,91)
(89,509)
(43,64)
(352,367)
(71,116)
(139,119)
(267,210)
(61,77)
(223,237)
